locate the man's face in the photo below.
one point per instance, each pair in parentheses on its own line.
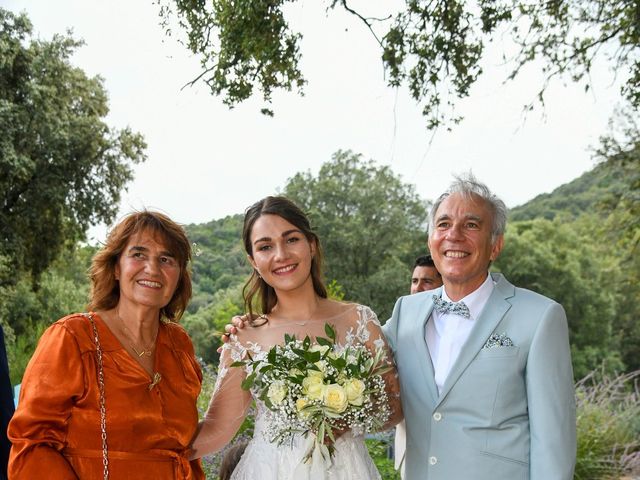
(461,245)
(424,278)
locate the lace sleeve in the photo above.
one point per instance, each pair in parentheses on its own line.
(369,332)
(228,406)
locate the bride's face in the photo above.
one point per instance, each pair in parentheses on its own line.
(281,253)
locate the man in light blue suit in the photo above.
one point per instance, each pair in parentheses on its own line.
(485,368)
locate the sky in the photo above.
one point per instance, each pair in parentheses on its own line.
(206,161)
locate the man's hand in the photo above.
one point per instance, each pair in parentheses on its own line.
(237,322)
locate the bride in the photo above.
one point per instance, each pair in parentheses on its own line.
(291,299)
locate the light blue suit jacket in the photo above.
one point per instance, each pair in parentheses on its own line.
(504,413)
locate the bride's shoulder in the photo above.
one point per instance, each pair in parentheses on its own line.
(353,312)
(250,331)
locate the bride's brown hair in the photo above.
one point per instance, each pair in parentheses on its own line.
(289,211)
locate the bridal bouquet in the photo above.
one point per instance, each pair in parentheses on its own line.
(314,388)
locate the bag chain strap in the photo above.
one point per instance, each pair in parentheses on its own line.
(103,408)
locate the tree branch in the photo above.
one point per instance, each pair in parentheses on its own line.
(366,20)
(191,83)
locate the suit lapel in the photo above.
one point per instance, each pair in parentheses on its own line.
(421,348)
(496,307)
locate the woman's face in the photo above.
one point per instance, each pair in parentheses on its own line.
(147,271)
(282,254)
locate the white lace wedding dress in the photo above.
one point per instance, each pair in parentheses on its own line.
(262,459)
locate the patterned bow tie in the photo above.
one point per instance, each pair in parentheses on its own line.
(457,308)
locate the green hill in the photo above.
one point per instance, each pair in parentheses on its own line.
(583,194)
(219,260)
(583,237)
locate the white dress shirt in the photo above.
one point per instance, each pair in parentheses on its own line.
(446,333)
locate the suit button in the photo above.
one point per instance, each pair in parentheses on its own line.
(437,416)
(433,460)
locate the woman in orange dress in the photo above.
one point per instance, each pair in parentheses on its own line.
(112,393)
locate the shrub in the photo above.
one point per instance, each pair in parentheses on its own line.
(378,449)
(608,425)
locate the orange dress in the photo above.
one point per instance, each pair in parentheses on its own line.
(56,428)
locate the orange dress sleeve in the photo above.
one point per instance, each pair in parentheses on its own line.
(52,380)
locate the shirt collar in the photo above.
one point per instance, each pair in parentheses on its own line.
(477,299)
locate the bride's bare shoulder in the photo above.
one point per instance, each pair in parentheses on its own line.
(251,326)
(332,308)
(348,311)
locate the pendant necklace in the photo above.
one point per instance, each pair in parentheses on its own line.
(302,323)
(146,351)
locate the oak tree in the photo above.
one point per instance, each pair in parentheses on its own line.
(371,225)
(62,168)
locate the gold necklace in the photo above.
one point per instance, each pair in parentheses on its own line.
(146,351)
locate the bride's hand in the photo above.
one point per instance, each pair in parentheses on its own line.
(337,433)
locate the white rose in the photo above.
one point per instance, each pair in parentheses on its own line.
(354,388)
(313,387)
(316,374)
(319,348)
(300,404)
(335,398)
(277,392)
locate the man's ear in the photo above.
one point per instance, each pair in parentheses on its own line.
(496,248)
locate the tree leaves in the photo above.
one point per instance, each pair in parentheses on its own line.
(242,44)
(434,47)
(371,225)
(576,246)
(61,167)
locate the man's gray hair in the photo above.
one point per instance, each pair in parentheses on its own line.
(468,186)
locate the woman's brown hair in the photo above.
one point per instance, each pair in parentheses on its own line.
(286,209)
(105,290)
